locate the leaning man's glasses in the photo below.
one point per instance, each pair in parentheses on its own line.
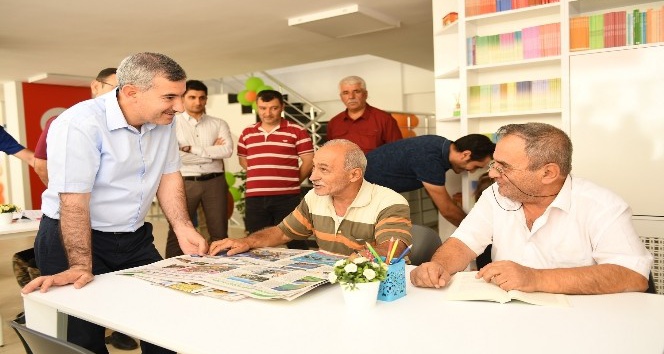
(106,83)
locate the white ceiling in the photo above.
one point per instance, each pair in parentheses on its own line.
(209,38)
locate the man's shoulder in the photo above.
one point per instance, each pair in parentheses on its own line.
(377,112)
(341,115)
(384,195)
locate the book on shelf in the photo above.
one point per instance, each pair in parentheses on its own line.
(527,43)
(514,96)
(617,29)
(481,7)
(464,287)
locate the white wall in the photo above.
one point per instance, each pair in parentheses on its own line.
(392,86)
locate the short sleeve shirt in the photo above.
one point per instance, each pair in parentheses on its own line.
(585,225)
(373,129)
(403,165)
(92,149)
(376,214)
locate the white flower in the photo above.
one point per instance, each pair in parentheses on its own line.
(360,260)
(350,268)
(340,262)
(332,278)
(369,274)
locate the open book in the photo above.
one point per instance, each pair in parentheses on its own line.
(464,286)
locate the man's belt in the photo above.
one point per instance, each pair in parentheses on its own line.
(204,177)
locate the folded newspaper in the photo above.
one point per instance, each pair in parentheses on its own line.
(262,273)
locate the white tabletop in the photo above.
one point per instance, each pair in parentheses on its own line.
(19,228)
(421,322)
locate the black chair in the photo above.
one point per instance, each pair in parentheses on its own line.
(425,243)
(39,343)
(651,285)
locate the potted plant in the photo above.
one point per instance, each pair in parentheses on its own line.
(360,279)
(6,212)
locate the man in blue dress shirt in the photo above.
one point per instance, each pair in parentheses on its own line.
(108,159)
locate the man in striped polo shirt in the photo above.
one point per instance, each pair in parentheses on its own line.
(343,211)
(270,152)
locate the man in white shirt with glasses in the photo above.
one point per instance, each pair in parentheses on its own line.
(551,232)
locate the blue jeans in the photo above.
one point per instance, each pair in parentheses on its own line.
(111,251)
(262,212)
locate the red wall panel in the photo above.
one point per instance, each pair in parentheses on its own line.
(41,102)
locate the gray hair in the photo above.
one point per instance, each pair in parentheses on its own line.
(544,144)
(354,156)
(140,69)
(353,80)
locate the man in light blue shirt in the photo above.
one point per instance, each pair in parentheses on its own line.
(108,158)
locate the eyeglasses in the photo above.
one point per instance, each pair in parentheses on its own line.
(106,83)
(500,168)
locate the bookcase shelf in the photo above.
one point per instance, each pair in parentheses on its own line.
(521,63)
(506,16)
(452,28)
(449,74)
(516,114)
(455,77)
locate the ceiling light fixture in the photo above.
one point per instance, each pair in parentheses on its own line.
(345,21)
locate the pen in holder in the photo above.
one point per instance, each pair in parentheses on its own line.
(394,286)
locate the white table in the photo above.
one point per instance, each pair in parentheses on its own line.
(18,229)
(421,322)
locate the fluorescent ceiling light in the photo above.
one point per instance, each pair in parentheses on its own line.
(346,21)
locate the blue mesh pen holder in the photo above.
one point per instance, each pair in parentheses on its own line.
(394,286)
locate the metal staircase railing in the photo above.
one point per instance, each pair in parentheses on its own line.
(297,108)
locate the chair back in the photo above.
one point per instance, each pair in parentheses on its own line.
(425,243)
(655,244)
(39,343)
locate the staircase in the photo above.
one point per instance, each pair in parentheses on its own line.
(297,109)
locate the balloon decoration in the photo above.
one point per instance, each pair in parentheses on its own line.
(253,86)
(236,187)
(406,123)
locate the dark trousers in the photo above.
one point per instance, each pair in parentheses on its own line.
(262,212)
(211,194)
(110,252)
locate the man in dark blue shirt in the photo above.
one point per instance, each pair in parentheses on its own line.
(10,146)
(422,161)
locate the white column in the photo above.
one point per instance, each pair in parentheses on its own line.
(16,172)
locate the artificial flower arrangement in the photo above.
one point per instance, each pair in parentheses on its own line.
(351,271)
(9,208)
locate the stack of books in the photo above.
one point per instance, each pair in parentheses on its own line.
(528,43)
(480,7)
(514,96)
(616,29)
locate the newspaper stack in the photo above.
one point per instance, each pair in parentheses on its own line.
(262,273)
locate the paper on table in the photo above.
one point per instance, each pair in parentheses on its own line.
(33,214)
(464,286)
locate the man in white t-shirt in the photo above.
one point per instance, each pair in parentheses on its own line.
(551,232)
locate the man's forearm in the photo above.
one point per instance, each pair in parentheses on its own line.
(76,230)
(173,202)
(596,279)
(453,255)
(268,237)
(41,170)
(453,214)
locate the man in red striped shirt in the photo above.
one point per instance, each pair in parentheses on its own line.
(271,151)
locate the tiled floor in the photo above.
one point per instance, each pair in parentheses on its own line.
(10,298)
